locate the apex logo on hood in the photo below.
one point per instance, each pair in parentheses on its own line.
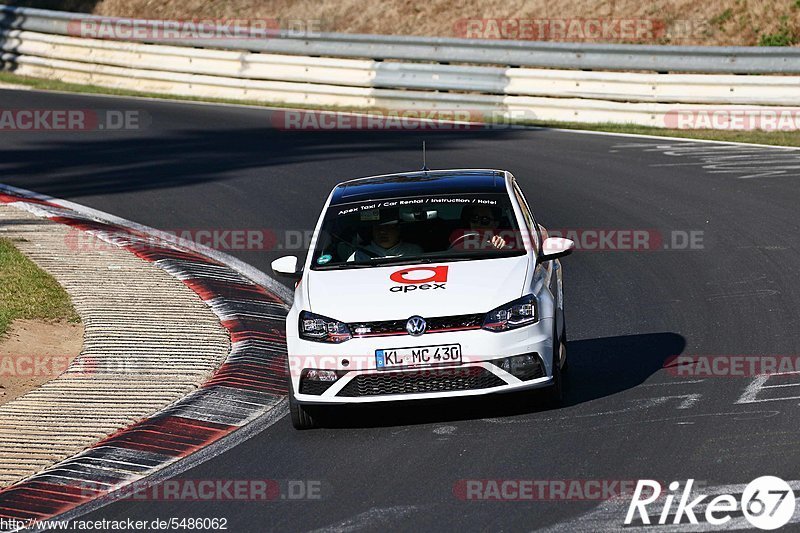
(419,278)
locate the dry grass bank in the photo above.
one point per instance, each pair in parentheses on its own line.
(713,22)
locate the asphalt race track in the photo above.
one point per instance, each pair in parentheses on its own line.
(735,292)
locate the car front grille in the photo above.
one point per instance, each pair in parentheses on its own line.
(309,386)
(421,381)
(398,327)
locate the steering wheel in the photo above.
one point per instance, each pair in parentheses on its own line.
(368,253)
(355,247)
(462,237)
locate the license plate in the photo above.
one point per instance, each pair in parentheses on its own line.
(418,356)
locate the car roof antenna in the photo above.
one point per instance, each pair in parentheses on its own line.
(424,159)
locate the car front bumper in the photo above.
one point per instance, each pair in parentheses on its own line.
(360,381)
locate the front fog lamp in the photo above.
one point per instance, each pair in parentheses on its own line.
(516,314)
(322,329)
(523,367)
(313,374)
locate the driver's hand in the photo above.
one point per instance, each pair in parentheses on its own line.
(498,242)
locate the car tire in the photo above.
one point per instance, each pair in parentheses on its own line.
(565,359)
(301,418)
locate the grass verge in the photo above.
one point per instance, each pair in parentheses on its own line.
(778,138)
(27,292)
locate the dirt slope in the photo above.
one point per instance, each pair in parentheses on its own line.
(713,22)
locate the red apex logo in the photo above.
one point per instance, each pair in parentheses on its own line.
(438,275)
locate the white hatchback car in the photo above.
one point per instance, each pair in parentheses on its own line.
(425,285)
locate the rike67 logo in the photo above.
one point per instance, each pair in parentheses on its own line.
(419,279)
(767,503)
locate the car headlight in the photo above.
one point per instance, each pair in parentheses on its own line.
(512,315)
(320,328)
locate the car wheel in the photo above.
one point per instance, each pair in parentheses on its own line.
(301,418)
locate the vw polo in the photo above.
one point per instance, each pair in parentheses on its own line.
(425,285)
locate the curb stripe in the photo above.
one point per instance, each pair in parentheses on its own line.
(249,383)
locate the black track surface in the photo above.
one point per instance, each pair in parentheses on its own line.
(625,417)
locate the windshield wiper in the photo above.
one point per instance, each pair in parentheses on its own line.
(414,260)
(399,260)
(466,256)
(342,266)
(422,260)
(376,262)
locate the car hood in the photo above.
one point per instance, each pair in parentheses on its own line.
(397,292)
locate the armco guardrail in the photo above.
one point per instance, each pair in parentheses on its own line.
(351,71)
(737,60)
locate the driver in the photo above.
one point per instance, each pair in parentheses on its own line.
(386,242)
(482,220)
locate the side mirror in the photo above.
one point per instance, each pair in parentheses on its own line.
(555,247)
(287,266)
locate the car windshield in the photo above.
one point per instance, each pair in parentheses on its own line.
(422,229)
